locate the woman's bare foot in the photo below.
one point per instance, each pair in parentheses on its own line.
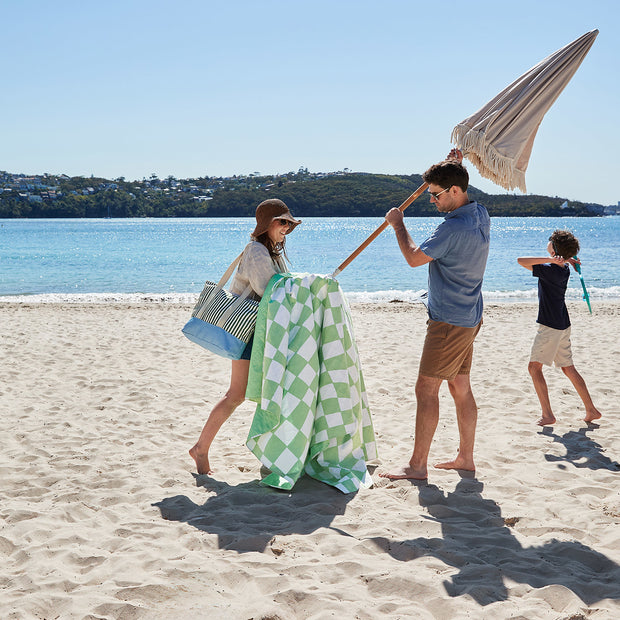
(202,461)
(592,414)
(544,421)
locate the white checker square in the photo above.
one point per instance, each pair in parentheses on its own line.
(275,372)
(289,403)
(327,391)
(287,460)
(332,349)
(334,419)
(307,375)
(308,349)
(286,432)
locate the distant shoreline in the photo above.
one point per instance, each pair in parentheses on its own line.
(308,194)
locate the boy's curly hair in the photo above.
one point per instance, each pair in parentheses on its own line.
(565,244)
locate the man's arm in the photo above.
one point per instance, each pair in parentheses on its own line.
(529,261)
(412,253)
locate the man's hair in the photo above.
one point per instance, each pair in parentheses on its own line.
(446,174)
(565,244)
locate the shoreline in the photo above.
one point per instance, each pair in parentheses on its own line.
(189,299)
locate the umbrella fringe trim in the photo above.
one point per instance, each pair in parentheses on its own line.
(490,163)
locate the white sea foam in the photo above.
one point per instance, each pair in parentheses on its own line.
(385,296)
(102,298)
(527,295)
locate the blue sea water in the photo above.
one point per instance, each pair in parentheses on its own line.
(169,259)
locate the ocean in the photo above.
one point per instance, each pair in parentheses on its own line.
(168,260)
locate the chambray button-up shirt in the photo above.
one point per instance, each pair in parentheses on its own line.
(459,248)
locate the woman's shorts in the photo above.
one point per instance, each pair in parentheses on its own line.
(552,346)
(448,350)
(247,352)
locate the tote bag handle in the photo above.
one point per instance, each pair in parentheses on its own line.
(220,285)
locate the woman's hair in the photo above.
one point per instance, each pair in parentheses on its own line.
(275,249)
(564,243)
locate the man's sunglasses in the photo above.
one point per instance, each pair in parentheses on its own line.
(436,195)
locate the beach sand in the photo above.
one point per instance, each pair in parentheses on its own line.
(102,515)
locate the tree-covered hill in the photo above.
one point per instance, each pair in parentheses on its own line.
(307,194)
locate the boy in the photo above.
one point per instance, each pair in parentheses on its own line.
(552,341)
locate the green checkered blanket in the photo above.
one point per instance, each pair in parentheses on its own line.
(312,412)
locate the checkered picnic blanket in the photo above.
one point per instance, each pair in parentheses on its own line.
(312,412)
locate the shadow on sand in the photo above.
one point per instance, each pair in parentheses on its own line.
(246,517)
(581,450)
(478,541)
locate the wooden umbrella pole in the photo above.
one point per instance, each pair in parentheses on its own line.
(418,192)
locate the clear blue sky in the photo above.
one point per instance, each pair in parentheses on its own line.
(197,87)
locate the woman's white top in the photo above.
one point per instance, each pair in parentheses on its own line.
(256,269)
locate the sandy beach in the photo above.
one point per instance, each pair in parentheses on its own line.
(103,517)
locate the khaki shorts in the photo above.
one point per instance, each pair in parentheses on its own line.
(448,350)
(552,346)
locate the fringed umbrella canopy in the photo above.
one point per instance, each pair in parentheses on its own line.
(498,138)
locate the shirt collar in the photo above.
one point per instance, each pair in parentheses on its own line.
(466,207)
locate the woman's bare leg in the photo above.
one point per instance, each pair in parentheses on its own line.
(220,413)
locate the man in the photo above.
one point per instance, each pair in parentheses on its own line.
(457,254)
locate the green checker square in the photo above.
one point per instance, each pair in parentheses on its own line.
(270,389)
(299,355)
(299,446)
(299,387)
(330,333)
(271,444)
(277,332)
(330,405)
(277,481)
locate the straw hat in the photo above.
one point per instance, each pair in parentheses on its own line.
(269,210)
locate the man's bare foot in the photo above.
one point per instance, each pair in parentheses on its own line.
(202,461)
(592,415)
(407,472)
(458,463)
(546,420)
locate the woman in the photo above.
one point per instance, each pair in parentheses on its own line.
(262,258)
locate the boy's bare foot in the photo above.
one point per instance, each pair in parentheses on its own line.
(458,463)
(202,461)
(406,472)
(592,415)
(544,421)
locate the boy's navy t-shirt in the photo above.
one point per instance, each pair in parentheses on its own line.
(552,282)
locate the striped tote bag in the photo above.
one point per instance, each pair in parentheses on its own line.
(221,321)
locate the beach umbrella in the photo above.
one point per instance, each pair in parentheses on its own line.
(498,138)
(586,297)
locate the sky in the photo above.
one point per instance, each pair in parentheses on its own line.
(194,88)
